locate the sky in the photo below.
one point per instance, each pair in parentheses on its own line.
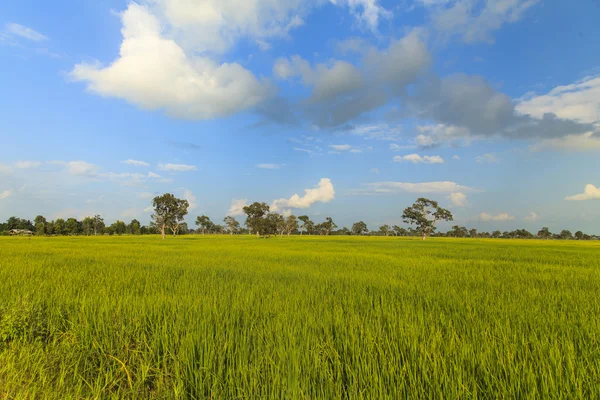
(344,108)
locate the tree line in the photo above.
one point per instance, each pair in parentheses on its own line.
(169,213)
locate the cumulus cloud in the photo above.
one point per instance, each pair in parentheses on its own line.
(458,199)
(136,163)
(323,193)
(154,72)
(446,187)
(177,167)
(417,159)
(498,217)
(269,166)
(475,20)
(191,198)
(586,142)
(531,217)
(24,32)
(27,164)
(367,12)
(237,207)
(486,158)
(590,192)
(456,158)
(6,194)
(78,168)
(431,136)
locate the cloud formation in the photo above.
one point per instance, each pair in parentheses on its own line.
(486,158)
(24,32)
(27,164)
(136,163)
(323,193)
(458,199)
(237,207)
(269,166)
(417,159)
(6,194)
(590,192)
(485,217)
(446,187)
(531,217)
(177,167)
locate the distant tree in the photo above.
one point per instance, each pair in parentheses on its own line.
(134,227)
(98,224)
(566,235)
(327,226)
(473,233)
(385,230)
(544,233)
(458,231)
(204,223)
(169,212)
(256,221)
(59,226)
(496,234)
(359,228)
(183,229)
(291,224)
(579,235)
(272,223)
(71,227)
(424,213)
(344,231)
(307,224)
(40,225)
(232,224)
(118,228)
(398,231)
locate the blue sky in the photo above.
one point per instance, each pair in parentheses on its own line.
(348,108)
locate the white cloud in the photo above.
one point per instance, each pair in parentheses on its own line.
(323,193)
(486,158)
(531,217)
(435,135)
(189,196)
(78,168)
(154,72)
(586,142)
(6,194)
(499,217)
(420,187)
(27,164)
(590,192)
(377,131)
(367,12)
(397,147)
(177,167)
(237,206)
(456,158)
(5,169)
(458,199)
(136,163)
(475,20)
(417,159)
(149,209)
(153,175)
(24,32)
(269,166)
(340,147)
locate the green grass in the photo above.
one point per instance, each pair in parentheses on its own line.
(298,318)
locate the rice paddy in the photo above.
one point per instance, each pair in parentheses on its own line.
(218,317)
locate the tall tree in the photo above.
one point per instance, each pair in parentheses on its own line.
(134,227)
(232,224)
(473,233)
(98,224)
(544,233)
(118,227)
(204,223)
(424,213)
(566,234)
(40,225)
(385,230)
(359,228)
(291,224)
(71,227)
(59,226)
(255,220)
(169,212)
(306,224)
(328,226)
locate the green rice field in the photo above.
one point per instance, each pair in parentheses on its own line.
(221,317)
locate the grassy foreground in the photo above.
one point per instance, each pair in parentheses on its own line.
(298,318)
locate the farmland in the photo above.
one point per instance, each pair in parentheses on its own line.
(298,317)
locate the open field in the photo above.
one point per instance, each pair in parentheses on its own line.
(298,317)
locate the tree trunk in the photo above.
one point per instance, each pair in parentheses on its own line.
(162,231)
(257,234)
(424,235)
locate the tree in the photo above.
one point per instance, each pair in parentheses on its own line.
(385,230)
(71,227)
(98,224)
(473,233)
(59,226)
(566,235)
(424,213)
(544,233)
(231,224)
(579,235)
(327,226)
(359,228)
(40,225)
(291,224)
(169,212)
(496,234)
(307,224)
(204,223)
(118,227)
(399,231)
(134,227)
(280,224)
(256,220)
(458,231)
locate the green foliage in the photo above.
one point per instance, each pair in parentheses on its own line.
(424,214)
(303,318)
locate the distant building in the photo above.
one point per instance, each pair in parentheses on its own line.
(20,232)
